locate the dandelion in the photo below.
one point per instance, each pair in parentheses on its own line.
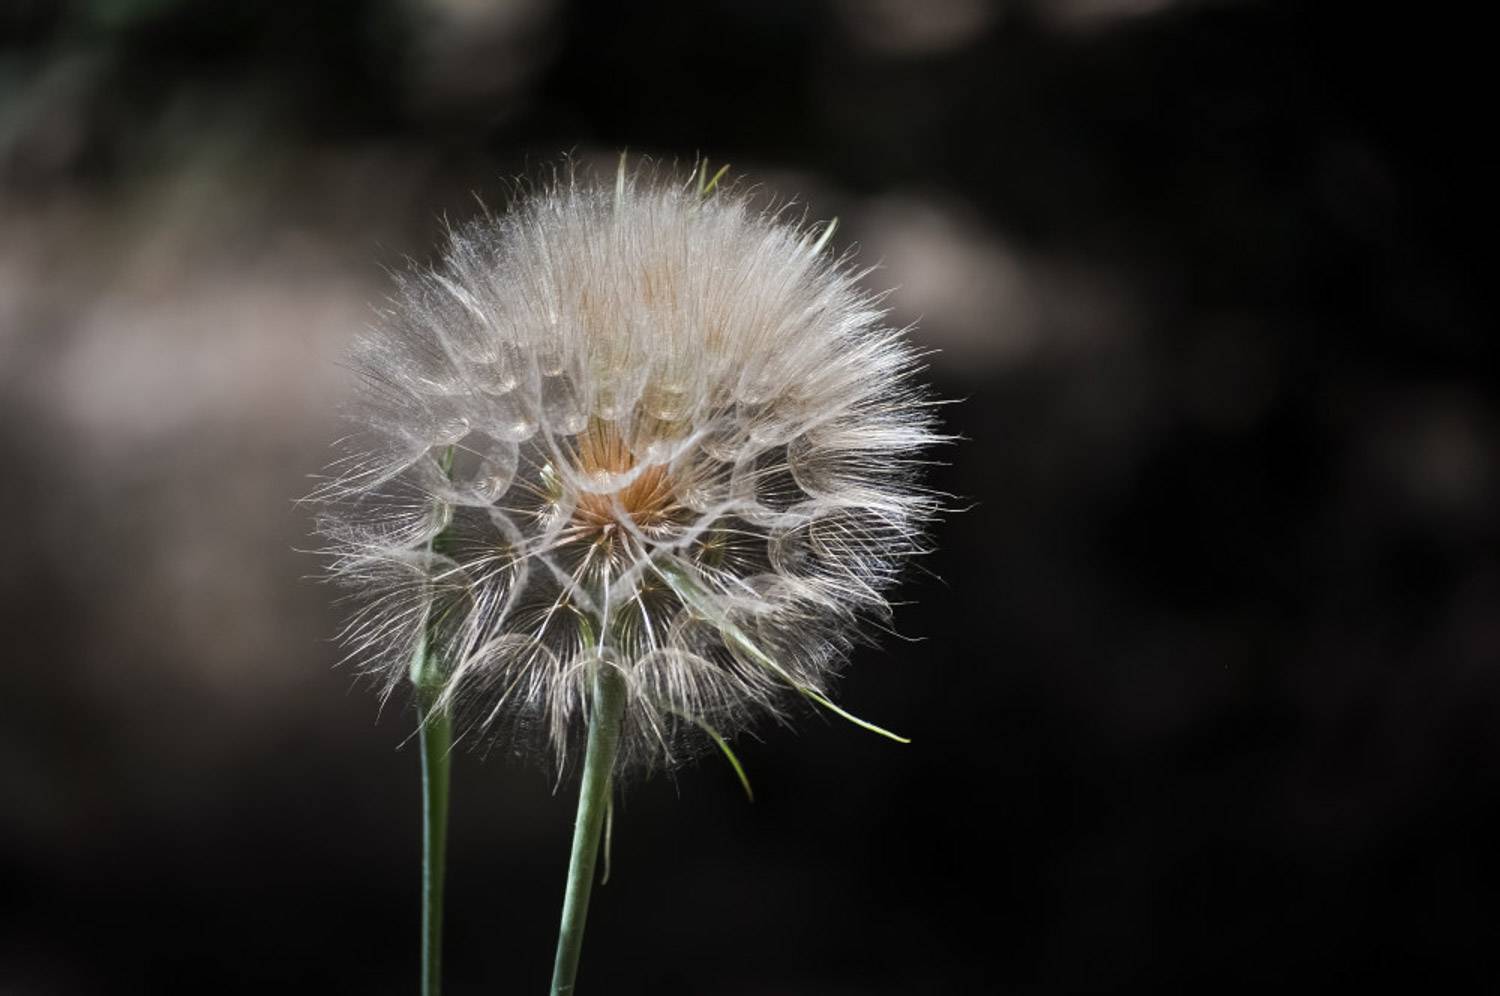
(637,466)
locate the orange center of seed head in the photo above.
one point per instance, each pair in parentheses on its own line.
(647,499)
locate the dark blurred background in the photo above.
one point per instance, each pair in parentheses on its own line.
(1205,693)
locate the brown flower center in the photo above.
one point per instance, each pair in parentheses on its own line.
(648,500)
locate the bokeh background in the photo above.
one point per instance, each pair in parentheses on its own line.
(1203,686)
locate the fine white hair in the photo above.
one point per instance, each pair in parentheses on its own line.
(641,424)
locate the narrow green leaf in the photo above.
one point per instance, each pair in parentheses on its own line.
(827,234)
(694,598)
(709,188)
(865,724)
(734,762)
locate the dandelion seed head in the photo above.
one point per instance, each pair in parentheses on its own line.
(627,425)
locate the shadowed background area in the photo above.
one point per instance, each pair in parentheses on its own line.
(1203,687)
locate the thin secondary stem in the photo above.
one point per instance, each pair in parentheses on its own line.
(436,738)
(593,800)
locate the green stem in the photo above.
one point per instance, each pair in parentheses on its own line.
(435,735)
(437,741)
(593,800)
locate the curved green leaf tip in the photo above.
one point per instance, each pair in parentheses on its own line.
(734,762)
(685,587)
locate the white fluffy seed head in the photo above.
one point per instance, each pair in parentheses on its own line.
(635,426)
